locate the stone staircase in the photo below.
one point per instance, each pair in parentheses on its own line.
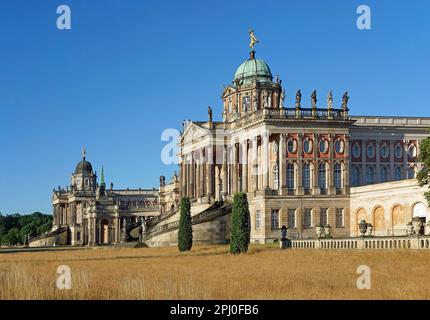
(216,210)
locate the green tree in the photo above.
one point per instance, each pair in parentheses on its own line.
(424,175)
(185,233)
(240,231)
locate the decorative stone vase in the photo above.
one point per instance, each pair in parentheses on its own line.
(369,230)
(409,228)
(363,227)
(327,231)
(319,231)
(417,224)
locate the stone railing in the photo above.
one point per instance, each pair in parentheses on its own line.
(362,243)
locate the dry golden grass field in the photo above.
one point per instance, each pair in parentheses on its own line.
(209,272)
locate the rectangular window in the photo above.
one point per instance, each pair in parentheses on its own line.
(307,218)
(258,219)
(291,218)
(340,222)
(275,219)
(324,216)
(246,103)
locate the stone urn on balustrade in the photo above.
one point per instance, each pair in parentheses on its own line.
(362,227)
(319,229)
(369,230)
(327,231)
(417,224)
(409,228)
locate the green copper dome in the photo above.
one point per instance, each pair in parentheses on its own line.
(253,68)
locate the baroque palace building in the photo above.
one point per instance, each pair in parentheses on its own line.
(305,165)
(91,214)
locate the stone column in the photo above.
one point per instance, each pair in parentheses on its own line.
(330,169)
(405,159)
(233,168)
(346,164)
(117,228)
(265,160)
(316,190)
(254,170)
(392,169)
(244,166)
(201,174)
(210,173)
(300,190)
(282,178)
(363,162)
(224,172)
(192,173)
(378,161)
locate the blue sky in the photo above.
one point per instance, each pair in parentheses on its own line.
(129,69)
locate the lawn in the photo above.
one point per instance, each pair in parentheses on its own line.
(210,272)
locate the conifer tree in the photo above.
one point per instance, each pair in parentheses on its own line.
(240,230)
(185,233)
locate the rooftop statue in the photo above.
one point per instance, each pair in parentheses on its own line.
(330,100)
(210,114)
(298,98)
(253,39)
(314,99)
(282,98)
(345,99)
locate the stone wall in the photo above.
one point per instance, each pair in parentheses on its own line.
(387,206)
(60,239)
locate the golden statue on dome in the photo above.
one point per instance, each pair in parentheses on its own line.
(254,40)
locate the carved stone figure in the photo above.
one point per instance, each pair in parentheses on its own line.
(319,231)
(255,102)
(210,114)
(327,231)
(345,100)
(282,98)
(265,99)
(330,100)
(162,181)
(298,98)
(314,99)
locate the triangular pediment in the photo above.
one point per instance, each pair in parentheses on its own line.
(194,132)
(228,90)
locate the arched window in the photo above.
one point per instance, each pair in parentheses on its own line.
(290,176)
(369,174)
(306,176)
(411,173)
(322,176)
(384,174)
(398,174)
(275,177)
(338,176)
(355,179)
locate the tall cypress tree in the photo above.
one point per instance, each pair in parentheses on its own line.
(185,233)
(240,231)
